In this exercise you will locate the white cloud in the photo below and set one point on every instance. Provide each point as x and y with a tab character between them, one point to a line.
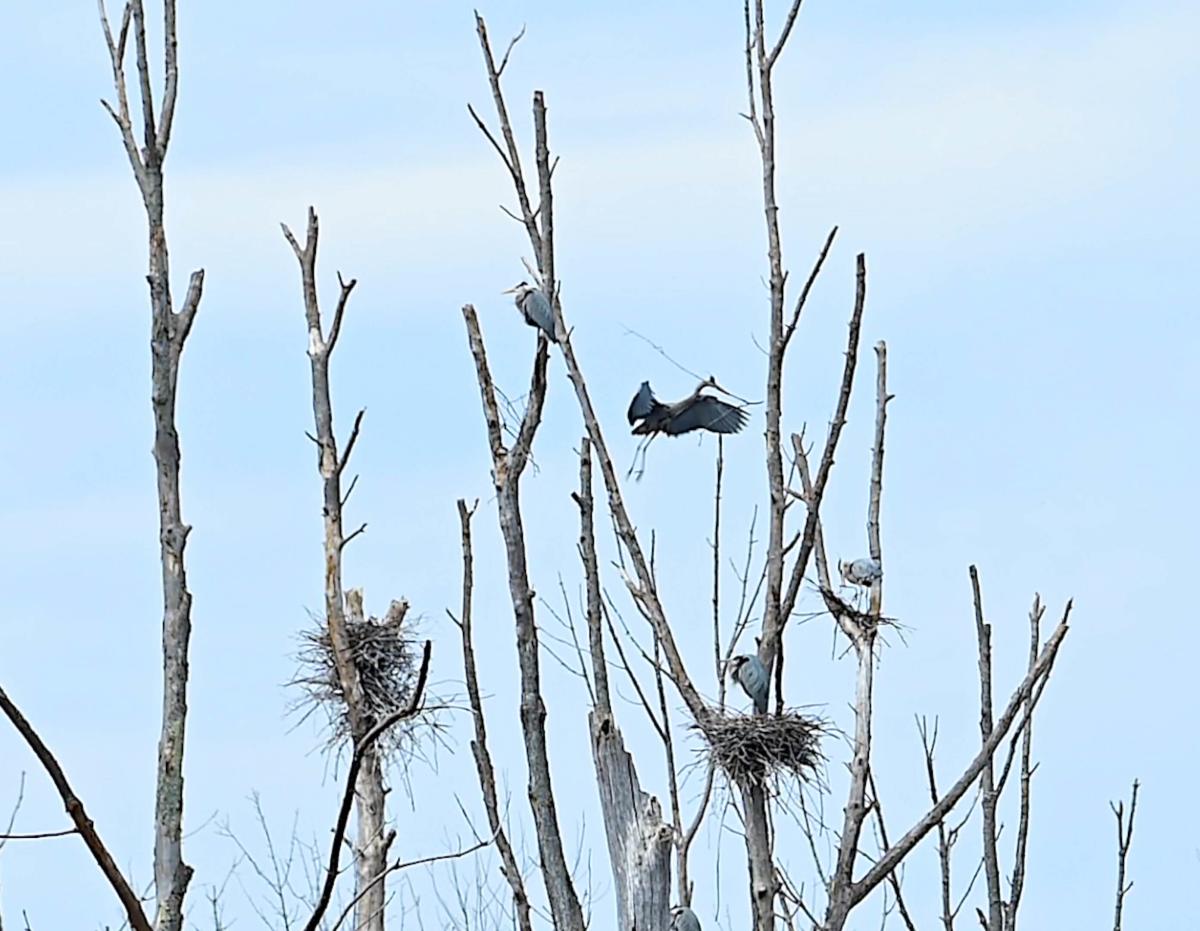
926	142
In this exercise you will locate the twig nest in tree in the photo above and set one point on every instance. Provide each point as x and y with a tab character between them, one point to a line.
386	654
755	749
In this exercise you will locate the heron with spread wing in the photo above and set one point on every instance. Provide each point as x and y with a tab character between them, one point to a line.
698	411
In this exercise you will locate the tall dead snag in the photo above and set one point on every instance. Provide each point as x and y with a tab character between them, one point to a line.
373	838
760	64
479	745
639	841
169	332
508	466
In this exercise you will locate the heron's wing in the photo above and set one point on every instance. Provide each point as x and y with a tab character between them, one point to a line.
707	413
642	403
537	313
867	569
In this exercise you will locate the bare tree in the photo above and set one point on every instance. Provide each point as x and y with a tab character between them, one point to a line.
845	888
169	332
373	836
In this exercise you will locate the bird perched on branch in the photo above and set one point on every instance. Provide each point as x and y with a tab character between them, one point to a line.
684	919
751	675
649	416
534	307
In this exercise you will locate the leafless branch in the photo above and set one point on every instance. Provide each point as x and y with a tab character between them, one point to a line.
406	864
813	500
945	843
362	748
510	155
1017	884
43	835
479	746
591	572
335	331
1124	841
991	866
900	849
83	824
893	879
812	278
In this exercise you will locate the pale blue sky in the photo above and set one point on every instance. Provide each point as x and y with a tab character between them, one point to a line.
1021	177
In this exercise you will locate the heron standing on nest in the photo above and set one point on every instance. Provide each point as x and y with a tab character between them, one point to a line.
751	675
864	572
534	307
649	416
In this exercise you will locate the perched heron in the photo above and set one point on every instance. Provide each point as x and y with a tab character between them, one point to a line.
751	675
684	919
864	572
649	416
534	307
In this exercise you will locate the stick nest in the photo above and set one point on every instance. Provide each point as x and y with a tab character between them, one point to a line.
387	655
757	749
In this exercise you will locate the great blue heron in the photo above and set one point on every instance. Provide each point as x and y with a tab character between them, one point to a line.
751	675
649	416
684	919
864	572
534	307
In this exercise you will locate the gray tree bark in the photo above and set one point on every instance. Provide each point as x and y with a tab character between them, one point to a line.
372	839
639	841
168	333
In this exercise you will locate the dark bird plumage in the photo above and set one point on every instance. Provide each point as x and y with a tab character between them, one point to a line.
695	412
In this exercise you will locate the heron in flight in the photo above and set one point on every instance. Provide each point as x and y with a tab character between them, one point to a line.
684	919
649	416
751	675
534	307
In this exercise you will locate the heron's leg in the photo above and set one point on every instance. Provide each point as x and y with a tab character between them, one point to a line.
645	449
637	450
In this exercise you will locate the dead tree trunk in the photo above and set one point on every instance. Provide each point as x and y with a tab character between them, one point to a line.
371	842
169	331
639	841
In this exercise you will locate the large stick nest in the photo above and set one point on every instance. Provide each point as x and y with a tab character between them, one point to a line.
386	654
758	749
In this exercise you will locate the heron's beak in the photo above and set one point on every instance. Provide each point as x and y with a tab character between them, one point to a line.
509	291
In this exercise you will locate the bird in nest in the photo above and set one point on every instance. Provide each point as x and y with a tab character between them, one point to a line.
863	573
751	675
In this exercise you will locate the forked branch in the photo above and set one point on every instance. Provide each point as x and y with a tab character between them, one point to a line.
1124	842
